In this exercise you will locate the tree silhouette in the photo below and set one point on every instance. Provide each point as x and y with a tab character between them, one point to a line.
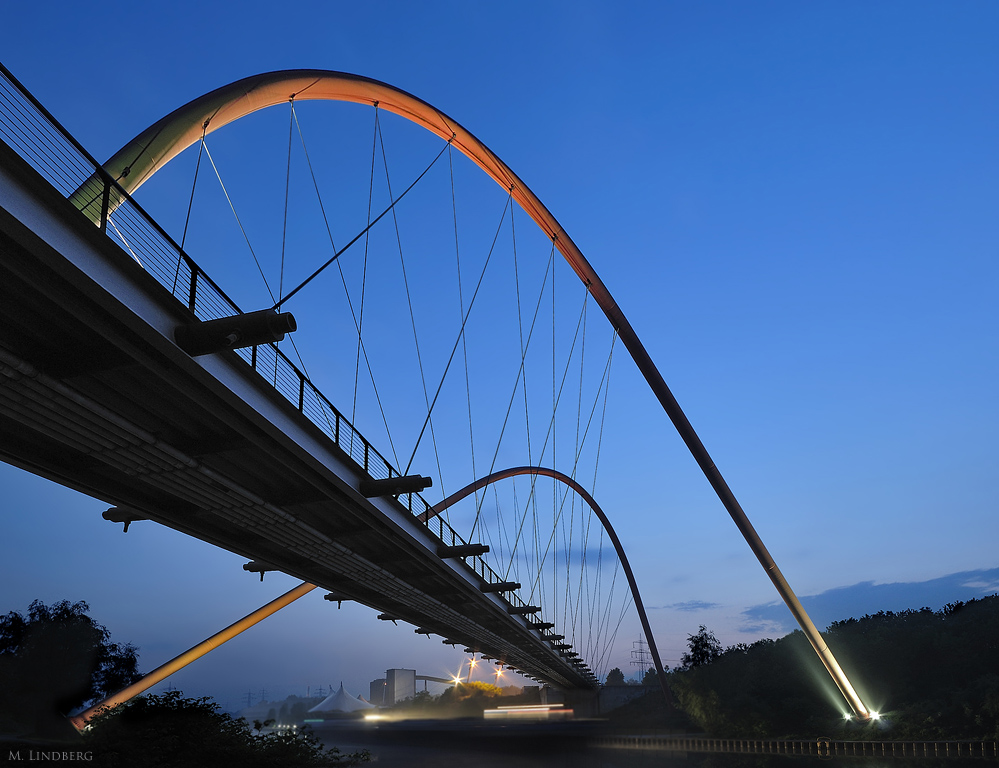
615	677
704	648
651	677
173	730
938	672
55	660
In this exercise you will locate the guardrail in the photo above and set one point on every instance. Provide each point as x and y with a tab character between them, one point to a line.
41	141
819	747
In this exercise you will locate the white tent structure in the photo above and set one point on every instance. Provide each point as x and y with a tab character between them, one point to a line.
341	701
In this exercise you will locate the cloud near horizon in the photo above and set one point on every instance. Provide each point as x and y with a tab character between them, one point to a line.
866	597
690	606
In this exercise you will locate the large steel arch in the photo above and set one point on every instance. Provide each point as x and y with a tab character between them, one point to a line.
138	160
504	474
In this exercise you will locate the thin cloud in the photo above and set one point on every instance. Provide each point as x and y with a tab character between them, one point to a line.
762	629
866	597
693	605
985	587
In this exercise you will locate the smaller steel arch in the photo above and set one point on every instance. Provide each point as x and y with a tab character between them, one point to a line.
503	474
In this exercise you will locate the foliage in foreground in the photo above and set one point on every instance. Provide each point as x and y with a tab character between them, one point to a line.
935	672
56	659
171	730
462	700
648	715
649	677
473	691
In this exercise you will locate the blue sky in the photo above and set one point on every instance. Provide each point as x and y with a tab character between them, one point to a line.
793	203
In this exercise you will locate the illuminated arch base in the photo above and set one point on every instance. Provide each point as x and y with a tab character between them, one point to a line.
138	160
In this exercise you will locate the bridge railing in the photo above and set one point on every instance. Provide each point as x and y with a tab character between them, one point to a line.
34	134
822	747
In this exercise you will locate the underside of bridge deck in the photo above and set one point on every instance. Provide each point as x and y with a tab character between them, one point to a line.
95	395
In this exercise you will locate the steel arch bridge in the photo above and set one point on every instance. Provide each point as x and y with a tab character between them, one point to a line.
432	597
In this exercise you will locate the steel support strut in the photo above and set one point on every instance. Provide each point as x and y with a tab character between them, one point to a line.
731	504
179	662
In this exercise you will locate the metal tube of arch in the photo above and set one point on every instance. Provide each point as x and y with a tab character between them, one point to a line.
503	474
150	150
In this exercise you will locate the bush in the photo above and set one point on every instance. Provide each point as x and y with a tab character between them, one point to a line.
55	660
469	699
171	730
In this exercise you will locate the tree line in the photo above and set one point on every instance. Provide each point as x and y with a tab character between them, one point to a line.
57	659
930	674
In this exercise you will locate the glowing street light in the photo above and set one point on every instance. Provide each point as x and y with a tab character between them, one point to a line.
471	667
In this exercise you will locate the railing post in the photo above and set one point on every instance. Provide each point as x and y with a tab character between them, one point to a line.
366	455
253	357
192	295
301	393
105	202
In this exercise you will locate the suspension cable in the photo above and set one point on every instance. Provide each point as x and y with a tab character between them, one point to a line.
190	204
567	543
532	499
461	313
624	610
559	516
516	383
287	191
409	301
605	378
284	226
461	332
556	517
610	636
554	434
346	291
572	508
364	275
603	413
359	235
551	425
596	464
253	253
240	223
